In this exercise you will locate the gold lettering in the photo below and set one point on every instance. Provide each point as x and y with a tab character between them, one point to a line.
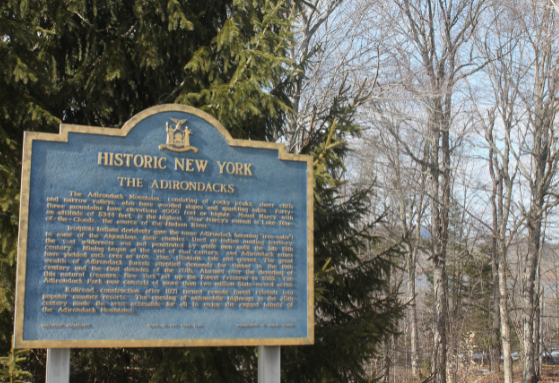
104	157
189	165
201	165
221	165
128	156
247	169
131	182
136	157
118	159
179	163
147	161
230	169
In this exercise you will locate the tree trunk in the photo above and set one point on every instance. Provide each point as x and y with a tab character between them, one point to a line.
494	347
544	168
413	310
540	339
387	365
439	351
439	236
504	202
537	330
534	231
412	268
505	325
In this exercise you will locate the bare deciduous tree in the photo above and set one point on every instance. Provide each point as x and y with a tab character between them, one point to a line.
430	50
538	152
331	59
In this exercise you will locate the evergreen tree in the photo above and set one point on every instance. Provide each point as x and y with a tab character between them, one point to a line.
356	307
99	62
22	76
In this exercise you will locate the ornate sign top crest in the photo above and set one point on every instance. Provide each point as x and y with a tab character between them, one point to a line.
178	140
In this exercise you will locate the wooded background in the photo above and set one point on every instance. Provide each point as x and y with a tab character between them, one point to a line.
432	125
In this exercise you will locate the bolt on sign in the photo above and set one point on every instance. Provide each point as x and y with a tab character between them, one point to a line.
166	232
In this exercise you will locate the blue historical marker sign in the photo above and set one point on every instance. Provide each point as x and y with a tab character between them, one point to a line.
166	232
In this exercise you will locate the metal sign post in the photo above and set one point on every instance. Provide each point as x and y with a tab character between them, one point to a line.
58	365
269	365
